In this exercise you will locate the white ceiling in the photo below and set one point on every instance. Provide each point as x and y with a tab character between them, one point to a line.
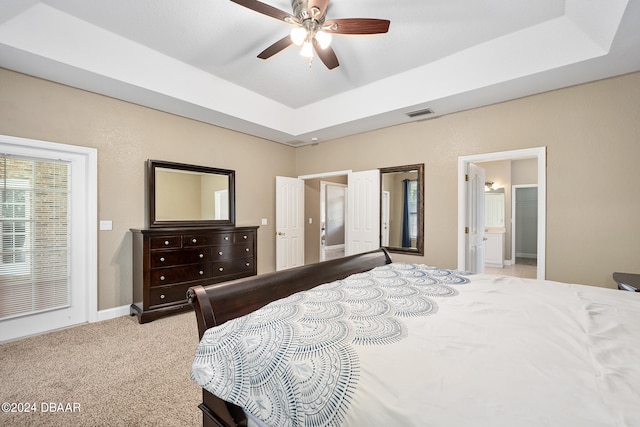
197	58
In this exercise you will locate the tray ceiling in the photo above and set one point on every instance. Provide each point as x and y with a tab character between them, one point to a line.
197	58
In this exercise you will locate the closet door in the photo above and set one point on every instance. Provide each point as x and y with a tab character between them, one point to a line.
363	212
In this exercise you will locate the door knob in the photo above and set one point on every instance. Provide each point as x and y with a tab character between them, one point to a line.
280	233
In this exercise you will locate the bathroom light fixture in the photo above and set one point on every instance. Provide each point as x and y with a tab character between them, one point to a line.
490	185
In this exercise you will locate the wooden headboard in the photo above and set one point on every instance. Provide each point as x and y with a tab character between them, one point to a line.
217	303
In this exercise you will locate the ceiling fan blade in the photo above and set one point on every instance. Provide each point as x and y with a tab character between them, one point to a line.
265	9
281	44
321	5
357	26
326	55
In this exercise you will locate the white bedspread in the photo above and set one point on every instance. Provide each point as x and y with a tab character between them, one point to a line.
497	351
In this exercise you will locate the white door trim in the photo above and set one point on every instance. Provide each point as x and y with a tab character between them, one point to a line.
540	153
88	271
325	174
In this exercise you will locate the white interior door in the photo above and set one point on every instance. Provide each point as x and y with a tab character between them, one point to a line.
363	212
475	238
289	222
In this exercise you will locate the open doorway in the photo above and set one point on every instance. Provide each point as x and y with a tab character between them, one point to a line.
298	224
464	162
333	216
524	225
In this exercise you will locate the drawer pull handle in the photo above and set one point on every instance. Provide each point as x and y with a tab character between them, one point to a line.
226	237
248	264
161	277
162	296
194	240
201	272
161	259
219	252
201	255
221	269
166	242
246	249
244	237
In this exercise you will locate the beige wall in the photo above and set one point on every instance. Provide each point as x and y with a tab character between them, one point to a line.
125	136
592	135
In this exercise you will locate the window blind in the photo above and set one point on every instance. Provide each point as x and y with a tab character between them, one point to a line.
34	236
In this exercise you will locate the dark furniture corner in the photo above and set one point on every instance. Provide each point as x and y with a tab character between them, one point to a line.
627	281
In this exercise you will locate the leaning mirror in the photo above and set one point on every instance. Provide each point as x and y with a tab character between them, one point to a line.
402	209
189	195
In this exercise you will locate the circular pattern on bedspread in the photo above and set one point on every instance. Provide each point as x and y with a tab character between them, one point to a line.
294	362
413	306
316	337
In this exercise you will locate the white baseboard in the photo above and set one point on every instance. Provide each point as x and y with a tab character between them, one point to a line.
526	255
112	313
334	247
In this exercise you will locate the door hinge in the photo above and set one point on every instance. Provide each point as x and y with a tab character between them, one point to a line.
466	230
466	177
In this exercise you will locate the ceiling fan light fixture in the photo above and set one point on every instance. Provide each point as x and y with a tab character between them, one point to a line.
298	36
324	39
307	50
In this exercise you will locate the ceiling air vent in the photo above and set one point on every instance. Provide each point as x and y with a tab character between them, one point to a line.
419	113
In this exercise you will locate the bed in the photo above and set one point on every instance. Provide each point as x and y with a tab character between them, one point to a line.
364	341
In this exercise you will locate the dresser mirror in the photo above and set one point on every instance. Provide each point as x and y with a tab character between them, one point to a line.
402	209
189	195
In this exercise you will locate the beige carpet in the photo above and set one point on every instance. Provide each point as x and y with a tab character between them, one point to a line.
119	372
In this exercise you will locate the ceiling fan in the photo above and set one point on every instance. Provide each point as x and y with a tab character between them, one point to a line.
311	29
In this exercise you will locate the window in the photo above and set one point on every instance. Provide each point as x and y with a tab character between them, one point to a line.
413	208
34	236
15	232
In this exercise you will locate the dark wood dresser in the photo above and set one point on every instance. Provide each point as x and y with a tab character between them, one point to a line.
167	261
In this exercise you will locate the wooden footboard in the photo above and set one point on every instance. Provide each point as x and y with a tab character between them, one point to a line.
220	302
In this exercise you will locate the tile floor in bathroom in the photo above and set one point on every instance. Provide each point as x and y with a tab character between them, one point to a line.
524	267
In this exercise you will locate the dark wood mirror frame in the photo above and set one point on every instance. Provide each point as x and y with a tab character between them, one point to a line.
419	250
154	222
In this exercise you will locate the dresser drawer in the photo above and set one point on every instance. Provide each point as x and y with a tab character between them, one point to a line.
165	242
223	268
191	240
186	256
184	273
216	239
168	295
240	237
221	253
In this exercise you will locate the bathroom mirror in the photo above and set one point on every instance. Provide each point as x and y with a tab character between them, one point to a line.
189	195
402	209
494	208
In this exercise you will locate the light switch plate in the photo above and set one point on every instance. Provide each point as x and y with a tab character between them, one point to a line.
106	225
